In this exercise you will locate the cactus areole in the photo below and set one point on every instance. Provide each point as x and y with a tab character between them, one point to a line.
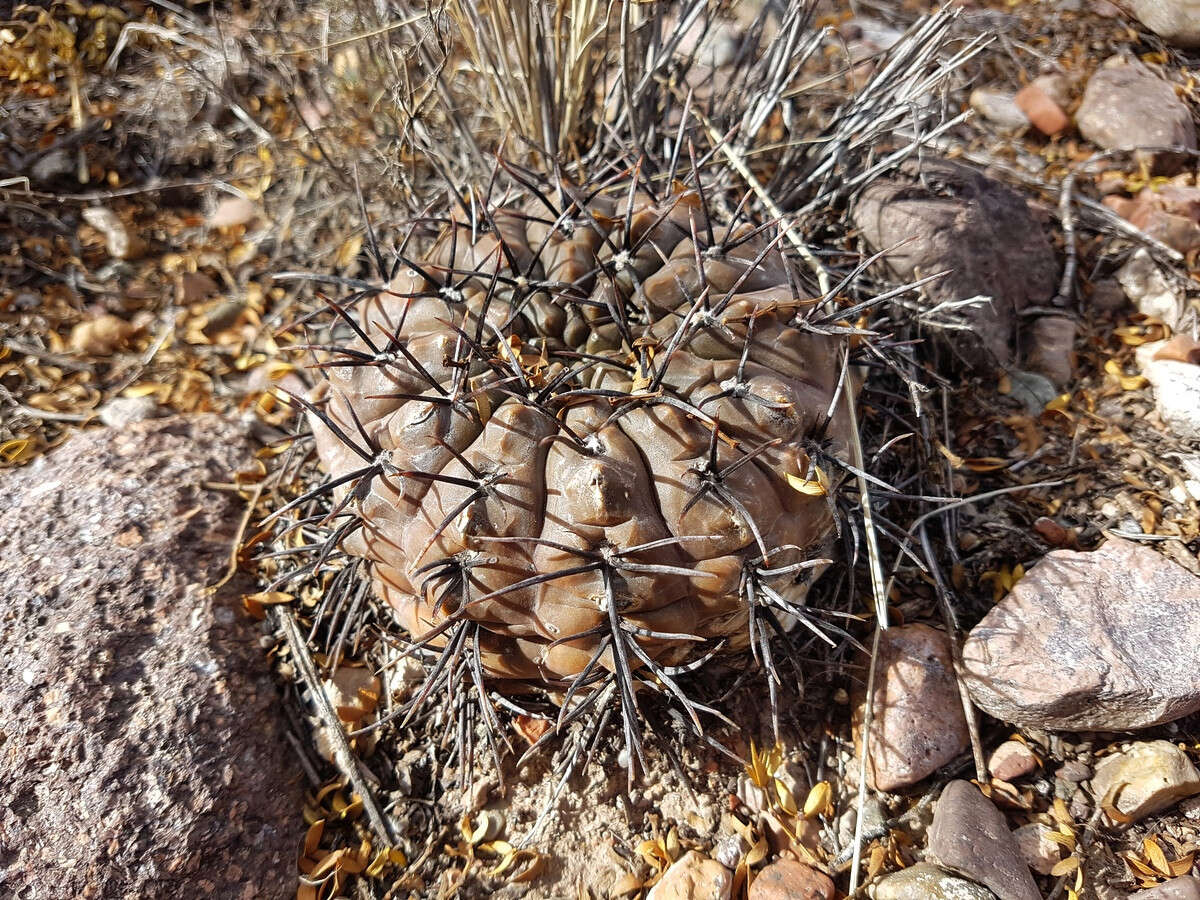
595	429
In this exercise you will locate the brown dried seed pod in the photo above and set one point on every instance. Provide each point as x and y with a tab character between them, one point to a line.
586	419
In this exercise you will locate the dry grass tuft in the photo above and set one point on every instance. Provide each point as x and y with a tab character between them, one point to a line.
541	64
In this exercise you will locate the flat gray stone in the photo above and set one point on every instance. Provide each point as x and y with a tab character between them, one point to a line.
970	836
1126	106
1107	640
1185	888
925	881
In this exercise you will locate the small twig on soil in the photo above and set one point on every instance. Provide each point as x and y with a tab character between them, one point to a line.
859	836
879	594
57	359
152	351
310	773
950	619
976	498
343	756
51	416
1066	287
247	514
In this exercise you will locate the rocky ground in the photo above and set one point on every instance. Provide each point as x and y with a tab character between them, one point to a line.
1030	726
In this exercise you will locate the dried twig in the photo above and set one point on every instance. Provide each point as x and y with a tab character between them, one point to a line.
343	755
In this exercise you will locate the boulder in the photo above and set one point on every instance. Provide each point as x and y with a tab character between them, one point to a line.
143	753
940	215
1107	640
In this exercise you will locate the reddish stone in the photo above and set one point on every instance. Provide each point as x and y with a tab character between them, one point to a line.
1012	760
1099	641
1050	348
787	879
917	722
1046	115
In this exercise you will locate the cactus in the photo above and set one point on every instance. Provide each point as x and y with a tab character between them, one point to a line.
593	434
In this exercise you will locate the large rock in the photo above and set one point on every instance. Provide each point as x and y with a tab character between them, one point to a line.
787	879
970	836
1101	641
1126	106
1176	21
142	753
917	721
941	215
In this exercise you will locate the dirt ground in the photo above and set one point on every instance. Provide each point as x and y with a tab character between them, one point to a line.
163	166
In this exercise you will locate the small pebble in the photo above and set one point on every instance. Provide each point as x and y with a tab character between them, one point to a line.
693	877
1039	851
787	879
231	211
728	850
1074	771
1012	760
122	411
1080	805
1046	115
998	107
1145	778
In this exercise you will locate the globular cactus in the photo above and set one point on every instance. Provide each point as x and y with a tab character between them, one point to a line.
593	428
